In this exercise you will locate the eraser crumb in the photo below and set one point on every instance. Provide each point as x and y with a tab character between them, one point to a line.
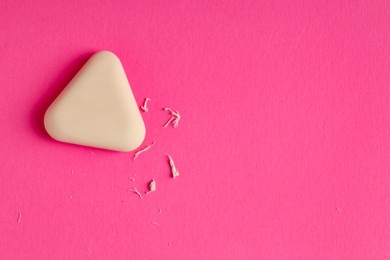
152	186
136	192
175	117
144	106
19	217
132	177
174	171
143	150
155	223
159	210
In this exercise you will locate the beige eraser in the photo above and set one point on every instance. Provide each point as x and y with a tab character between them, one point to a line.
97	108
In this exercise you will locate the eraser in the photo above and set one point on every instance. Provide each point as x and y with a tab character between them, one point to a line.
97	108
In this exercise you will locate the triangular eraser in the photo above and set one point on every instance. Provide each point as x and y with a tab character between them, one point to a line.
97	108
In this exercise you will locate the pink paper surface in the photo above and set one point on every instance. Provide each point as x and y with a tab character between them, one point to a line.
283	148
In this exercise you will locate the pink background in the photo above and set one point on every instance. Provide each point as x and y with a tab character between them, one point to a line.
283	146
